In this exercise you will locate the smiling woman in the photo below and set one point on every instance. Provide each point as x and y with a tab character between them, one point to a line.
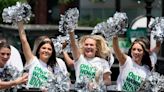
5	53
90	64
134	67
42	60
6	76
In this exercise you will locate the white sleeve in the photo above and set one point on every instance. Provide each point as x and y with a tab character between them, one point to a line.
15	59
153	58
106	67
32	63
62	65
127	63
111	61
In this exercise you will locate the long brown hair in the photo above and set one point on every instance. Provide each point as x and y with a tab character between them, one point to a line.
146	58
52	60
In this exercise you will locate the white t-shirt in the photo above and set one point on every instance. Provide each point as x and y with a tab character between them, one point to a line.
153	58
131	76
90	68
111	61
39	72
15	59
62	65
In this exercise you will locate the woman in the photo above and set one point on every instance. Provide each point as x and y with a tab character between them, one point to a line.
6	78
60	62
15	57
89	58
134	67
42	66
70	62
153	52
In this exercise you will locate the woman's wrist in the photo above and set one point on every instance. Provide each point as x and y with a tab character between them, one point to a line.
13	82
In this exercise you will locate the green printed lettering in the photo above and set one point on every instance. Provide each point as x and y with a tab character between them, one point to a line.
86	70
132	82
35	82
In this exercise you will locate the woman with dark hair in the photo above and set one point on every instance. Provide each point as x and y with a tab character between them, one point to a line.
15	57
52	59
145	58
6	77
134	67
43	64
38	43
152	51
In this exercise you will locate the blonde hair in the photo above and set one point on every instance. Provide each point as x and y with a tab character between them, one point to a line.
103	50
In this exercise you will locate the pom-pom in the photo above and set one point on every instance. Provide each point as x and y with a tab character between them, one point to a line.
157	28
69	21
153	83
114	25
59	41
19	12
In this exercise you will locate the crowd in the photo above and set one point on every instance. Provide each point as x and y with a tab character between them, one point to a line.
90	57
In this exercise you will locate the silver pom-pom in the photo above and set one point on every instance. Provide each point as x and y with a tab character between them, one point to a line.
69	21
18	12
58	82
121	19
100	28
59	41
153	83
114	25
157	28
10	73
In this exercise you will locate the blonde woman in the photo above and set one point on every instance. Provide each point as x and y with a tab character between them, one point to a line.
89	58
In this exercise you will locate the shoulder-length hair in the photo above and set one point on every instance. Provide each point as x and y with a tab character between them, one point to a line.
52	60
103	50
146	58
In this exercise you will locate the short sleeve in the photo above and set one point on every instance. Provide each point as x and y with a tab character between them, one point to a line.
106	67
62	65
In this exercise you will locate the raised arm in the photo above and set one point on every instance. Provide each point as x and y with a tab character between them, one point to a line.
75	50
157	47
118	53
25	45
68	59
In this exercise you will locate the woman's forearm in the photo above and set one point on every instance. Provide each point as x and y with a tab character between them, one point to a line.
75	50
25	45
8	84
118	53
